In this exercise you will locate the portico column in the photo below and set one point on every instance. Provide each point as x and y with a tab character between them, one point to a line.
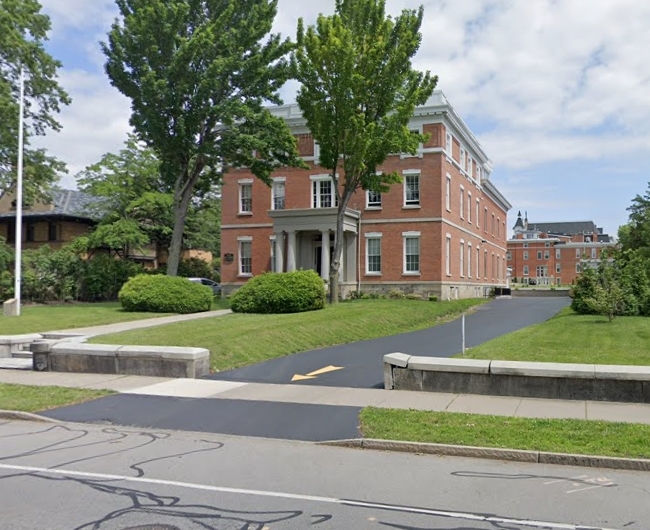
291	250
279	252
325	255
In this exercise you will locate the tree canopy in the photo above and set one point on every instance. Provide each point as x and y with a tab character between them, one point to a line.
198	73
358	92
23	31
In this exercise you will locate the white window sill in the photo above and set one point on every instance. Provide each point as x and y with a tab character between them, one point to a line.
411	273
372	274
247	275
245	213
411	207
370	208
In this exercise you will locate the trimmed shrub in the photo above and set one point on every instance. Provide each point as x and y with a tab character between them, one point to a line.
413	296
289	292
433	298
164	294
103	277
395	294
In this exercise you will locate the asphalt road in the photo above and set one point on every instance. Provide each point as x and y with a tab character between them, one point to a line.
361	362
265	419
105	478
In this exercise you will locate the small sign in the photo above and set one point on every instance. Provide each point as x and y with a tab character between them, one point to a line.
228	257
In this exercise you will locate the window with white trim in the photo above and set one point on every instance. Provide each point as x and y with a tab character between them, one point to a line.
373	254
508	255
412	253
558	253
469	260
547	244
479	173
492	225
485	220
578	254
462	259
498	267
485	264
478	209
558	268
492	266
469	206
525	255
412	189
498	228
323	193
478	263
278	192
542	271
373	199
245	257
462	158
449	143
448	194
578	268
462	202
246	197
448	255
469	166
539	254
593	253
547	254
526	245
525	270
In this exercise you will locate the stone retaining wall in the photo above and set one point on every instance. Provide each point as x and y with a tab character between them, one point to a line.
523	379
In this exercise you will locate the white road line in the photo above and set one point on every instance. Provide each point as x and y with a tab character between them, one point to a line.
295	496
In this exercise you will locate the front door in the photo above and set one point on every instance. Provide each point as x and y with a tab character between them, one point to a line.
318	258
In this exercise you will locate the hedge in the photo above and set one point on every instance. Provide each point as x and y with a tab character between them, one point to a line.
289	292
164	294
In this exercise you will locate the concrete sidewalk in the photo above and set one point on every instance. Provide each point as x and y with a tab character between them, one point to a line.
333	396
93	331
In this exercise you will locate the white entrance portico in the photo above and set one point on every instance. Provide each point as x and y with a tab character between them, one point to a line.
304	239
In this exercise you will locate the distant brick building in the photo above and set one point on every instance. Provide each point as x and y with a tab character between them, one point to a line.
554	253
441	231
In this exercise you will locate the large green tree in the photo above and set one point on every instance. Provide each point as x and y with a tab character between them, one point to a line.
358	94
23	31
636	234
198	73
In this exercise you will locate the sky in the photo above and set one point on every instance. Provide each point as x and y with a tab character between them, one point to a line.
557	92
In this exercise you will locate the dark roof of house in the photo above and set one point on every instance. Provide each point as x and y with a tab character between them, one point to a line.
564	228
67	203
519	223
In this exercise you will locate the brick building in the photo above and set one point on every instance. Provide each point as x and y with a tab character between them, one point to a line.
443	230
554	253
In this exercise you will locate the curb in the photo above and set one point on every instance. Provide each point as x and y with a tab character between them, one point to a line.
513	455
25	416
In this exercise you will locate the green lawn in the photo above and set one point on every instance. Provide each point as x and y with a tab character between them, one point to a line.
572	338
50	317
37	398
240	340
585	437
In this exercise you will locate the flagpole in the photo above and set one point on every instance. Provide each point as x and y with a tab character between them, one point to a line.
19	197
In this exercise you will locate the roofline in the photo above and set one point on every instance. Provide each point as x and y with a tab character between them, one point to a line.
495	194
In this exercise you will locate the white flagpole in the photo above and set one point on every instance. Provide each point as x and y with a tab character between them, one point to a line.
19	196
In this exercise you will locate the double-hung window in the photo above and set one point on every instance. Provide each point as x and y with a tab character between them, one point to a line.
373	253
323	194
448	194
278	191
448	255
412	189
462	158
462	202
469	260
469	166
245	256
246	196
373	199
462	258
411	252
448	144
469	207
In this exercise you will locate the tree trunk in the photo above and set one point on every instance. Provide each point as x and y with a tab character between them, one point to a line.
338	248
182	196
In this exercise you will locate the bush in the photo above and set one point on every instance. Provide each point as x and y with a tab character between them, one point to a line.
289	292
395	294
164	294
413	296
433	298
103	277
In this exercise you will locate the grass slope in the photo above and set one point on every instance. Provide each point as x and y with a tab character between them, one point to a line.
240	340
572	338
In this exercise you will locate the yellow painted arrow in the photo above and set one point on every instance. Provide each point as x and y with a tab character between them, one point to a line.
312	375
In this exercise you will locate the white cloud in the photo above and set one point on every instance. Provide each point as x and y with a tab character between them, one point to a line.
553	80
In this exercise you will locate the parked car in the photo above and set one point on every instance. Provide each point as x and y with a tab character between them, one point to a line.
216	288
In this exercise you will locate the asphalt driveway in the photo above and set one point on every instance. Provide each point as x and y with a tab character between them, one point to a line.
359	364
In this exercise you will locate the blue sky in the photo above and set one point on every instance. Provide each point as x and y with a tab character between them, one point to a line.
557	92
